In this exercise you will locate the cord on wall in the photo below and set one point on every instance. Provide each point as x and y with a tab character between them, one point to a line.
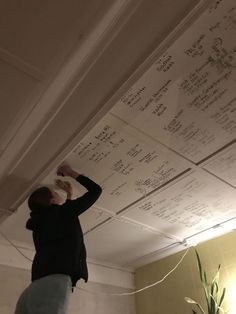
112	294
12	244
146	287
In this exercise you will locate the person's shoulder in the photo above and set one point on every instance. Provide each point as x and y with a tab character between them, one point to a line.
53	210
62	209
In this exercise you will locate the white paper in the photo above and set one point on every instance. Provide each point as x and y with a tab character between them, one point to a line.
197	202
223	165
187	98
126	163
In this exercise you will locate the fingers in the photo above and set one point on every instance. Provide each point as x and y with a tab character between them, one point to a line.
60	172
64	170
67	185
58	183
62	183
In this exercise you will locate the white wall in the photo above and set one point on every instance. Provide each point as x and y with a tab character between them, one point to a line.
13	281
100	302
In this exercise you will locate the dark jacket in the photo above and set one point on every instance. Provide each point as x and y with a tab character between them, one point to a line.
58	237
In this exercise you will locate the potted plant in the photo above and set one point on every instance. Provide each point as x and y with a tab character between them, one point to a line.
214	298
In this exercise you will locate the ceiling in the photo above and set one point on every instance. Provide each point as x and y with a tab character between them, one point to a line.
137	95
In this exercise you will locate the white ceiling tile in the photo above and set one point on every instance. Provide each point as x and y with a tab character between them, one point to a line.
14	227
126	163
92	217
11	257
223	165
121	243
196	202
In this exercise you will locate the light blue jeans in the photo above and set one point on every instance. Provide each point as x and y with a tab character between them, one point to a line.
47	295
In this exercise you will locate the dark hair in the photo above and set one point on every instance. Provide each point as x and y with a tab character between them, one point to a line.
40	198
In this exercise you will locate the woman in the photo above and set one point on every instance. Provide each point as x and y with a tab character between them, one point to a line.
60	259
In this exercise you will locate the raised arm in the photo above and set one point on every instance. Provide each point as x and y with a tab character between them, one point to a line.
66	187
79	205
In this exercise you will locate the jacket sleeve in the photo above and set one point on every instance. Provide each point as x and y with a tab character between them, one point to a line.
81	204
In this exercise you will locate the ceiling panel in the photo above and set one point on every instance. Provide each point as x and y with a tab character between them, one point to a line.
223	165
121	243
44	32
186	100
126	163
195	203
14	227
16	88
93	218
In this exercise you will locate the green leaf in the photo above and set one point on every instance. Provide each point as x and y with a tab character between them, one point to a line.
211	291
217	276
189	300
213	305
222	297
199	266
220	310
200	308
205	278
214	290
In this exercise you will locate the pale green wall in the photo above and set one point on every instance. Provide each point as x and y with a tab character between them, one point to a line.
168	297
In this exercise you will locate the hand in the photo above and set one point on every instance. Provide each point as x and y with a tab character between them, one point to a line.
65	186
66	170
